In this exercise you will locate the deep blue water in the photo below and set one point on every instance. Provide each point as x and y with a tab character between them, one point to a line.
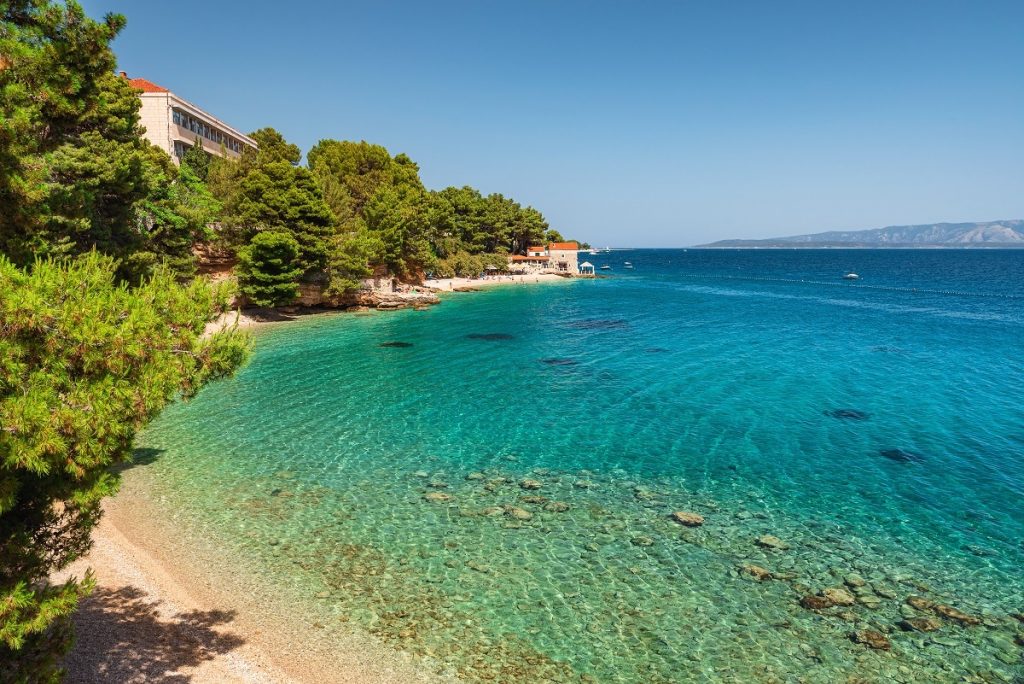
876	426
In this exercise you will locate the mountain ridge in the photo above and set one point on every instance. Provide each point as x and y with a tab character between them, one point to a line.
978	235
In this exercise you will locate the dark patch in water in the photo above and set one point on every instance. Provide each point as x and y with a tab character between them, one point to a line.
598	324
901	456
490	336
887	350
848	414
559	362
656	350
400	345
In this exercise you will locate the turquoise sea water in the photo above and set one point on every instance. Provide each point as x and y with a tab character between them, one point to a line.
876	428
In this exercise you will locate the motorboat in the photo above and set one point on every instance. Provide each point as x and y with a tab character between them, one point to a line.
851	276
628	265
606	267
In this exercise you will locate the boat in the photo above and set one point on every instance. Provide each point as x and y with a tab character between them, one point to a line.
628	265
593	251
606	267
851	276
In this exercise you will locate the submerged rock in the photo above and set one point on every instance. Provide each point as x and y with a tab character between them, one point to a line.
919	602
492	337
839	596
476	476
854	581
770	541
952	613
530	484
919	624
688	519
642	540
437	497
556	506
757	572
517	513
397	345
901	456
492	510
871	639
811	602
848	414
533	499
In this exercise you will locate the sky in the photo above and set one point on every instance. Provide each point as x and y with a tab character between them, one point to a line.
653	124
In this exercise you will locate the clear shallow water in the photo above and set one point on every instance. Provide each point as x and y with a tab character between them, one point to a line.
700	381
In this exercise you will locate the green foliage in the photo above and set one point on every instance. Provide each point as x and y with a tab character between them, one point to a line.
173	217
268	269
197	160
351	257
277	196
352	173
465	265
272	148
57	67
75	175
84	363
463	219
397	215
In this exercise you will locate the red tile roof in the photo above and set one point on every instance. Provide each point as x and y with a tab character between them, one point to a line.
563	245
146	86
535	249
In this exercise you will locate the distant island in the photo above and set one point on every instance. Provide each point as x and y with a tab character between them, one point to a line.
987	235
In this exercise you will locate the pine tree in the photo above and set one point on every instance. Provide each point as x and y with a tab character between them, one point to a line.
268	269
84	363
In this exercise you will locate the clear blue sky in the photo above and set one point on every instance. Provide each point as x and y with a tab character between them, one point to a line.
632	123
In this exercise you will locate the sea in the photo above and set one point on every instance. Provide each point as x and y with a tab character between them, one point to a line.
489	484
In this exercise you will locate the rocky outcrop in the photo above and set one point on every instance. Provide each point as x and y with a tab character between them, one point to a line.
312	294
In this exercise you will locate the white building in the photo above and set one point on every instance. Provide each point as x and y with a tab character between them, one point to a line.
175	125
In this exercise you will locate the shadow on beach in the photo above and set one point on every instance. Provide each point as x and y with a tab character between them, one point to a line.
122	637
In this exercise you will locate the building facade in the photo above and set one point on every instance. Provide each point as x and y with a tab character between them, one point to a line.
175	125
564	257
560	257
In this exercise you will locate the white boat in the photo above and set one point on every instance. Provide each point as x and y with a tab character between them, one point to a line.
593	251
628	265
606	267
851	276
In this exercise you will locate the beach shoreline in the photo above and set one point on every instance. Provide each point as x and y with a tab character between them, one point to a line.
252	318
472	284
169	604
